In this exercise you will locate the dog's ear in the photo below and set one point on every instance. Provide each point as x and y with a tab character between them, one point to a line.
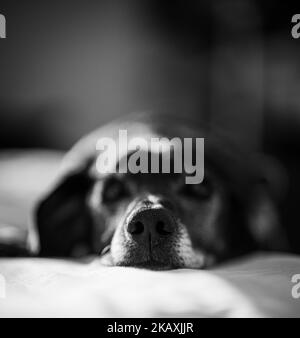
62	219
262	209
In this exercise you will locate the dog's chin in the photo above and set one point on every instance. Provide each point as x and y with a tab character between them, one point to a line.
150	264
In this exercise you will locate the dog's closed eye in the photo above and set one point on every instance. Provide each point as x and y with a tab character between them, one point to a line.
114	190
198	191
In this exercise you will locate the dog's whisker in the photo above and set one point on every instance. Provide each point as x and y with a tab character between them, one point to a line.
105	250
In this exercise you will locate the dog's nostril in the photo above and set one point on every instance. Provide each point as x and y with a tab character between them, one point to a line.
162	228
136	228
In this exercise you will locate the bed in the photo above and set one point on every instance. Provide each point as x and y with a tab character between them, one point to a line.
259	285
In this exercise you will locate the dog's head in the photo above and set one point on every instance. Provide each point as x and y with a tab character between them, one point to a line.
156	220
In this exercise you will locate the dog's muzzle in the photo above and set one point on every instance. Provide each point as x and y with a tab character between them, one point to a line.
149	236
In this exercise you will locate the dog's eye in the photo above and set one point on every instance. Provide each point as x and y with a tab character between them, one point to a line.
114	190
202	190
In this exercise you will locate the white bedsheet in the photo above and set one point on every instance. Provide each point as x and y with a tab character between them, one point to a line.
259	286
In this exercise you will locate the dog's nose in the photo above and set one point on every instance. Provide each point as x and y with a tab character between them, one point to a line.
153	223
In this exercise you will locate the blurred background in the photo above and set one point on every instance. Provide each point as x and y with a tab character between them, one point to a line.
67	67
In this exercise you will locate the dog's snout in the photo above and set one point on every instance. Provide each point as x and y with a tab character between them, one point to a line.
151	223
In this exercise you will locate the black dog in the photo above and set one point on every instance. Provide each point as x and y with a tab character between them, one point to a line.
157	220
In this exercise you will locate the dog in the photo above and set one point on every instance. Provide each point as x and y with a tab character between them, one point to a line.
156	220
